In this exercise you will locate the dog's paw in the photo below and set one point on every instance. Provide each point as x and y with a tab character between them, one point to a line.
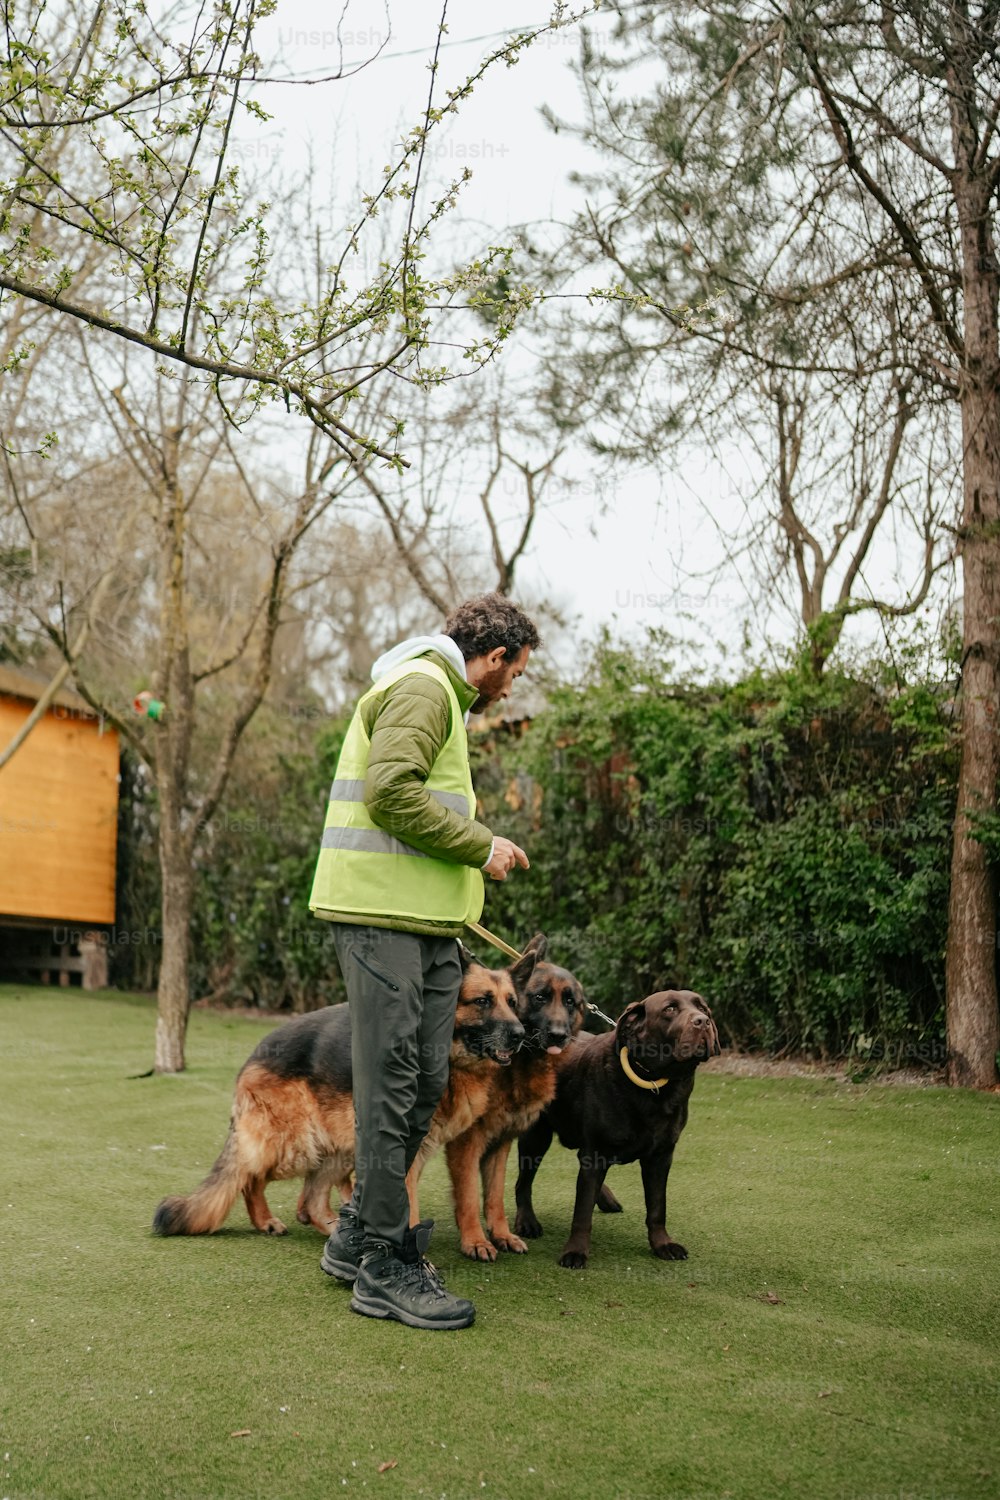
573	1260
275	1226
527	1225
670	1251
509	1242
607	1202
478	1250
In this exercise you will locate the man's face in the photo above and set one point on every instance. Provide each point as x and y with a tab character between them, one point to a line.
497	677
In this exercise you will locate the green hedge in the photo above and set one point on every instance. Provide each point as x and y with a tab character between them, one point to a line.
781	845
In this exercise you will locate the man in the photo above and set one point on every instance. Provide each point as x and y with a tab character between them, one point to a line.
400	873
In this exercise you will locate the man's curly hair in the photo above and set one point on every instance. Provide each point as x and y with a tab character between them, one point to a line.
480	625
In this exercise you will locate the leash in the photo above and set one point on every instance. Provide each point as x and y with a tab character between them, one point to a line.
498	942
495	942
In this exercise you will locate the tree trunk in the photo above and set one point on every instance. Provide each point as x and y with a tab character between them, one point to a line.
173	995
177	879
973	1019
174	684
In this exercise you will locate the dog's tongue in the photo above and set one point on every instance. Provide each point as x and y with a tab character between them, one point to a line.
554	1050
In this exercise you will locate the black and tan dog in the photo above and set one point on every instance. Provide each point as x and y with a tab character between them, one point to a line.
621	1097
293	1113
550	1004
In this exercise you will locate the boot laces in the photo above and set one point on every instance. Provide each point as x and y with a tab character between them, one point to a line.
348	1232
403	1273
430	1276
421	1273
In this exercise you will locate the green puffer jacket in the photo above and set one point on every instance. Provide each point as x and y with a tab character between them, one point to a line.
407	725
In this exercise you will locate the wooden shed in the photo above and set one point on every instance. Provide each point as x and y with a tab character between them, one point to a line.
58	836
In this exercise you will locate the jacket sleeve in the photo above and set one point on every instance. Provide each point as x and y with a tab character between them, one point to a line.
410	726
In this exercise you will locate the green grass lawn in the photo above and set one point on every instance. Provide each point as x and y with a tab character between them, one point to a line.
128	1363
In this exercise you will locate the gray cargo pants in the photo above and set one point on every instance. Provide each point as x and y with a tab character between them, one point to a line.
402	988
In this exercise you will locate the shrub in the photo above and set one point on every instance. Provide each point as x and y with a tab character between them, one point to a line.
780	844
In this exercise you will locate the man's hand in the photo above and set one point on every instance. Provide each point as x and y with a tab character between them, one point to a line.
505	856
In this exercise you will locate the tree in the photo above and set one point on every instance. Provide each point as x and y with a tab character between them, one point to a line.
732	325
116	128
199	627
153	463
483	449
805	203
172	605
115	134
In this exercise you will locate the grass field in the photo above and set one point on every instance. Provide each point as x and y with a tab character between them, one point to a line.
835	1332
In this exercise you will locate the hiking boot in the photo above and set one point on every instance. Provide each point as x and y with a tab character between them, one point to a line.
342	1251
396	1281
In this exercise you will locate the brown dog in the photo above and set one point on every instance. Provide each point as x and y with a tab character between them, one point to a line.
550	1005
293	1112
620	1097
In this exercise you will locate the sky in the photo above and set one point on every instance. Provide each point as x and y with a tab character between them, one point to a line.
646	548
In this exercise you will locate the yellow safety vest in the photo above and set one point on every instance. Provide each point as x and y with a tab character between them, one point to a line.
362	871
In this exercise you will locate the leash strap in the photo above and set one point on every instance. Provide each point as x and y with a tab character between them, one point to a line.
494	941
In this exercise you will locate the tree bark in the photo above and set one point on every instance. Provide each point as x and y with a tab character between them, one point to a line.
174	684
173	995
176	871
973	1018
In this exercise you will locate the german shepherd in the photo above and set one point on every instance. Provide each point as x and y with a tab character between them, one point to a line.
293	1112
619	1097
550	1004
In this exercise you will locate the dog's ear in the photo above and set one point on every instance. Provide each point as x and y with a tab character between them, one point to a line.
580	1012
537	945
522	969
468	959
631	1017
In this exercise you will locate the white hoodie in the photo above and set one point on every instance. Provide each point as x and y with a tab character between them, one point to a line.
416	646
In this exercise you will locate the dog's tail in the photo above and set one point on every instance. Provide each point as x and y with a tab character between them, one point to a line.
202	1211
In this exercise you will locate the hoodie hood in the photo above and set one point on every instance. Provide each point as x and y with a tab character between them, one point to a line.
417	645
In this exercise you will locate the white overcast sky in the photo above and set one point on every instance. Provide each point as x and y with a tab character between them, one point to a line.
650	557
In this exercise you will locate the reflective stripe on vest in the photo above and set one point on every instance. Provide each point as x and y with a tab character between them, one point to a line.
364	871
354	791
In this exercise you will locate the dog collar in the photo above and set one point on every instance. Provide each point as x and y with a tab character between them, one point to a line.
655	1084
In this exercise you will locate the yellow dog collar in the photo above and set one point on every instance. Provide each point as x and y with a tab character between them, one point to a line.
656	1084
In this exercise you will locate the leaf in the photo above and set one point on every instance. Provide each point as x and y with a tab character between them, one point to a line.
772	1298
241	1432
390	1463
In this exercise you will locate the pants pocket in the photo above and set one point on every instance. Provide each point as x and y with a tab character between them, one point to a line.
376	974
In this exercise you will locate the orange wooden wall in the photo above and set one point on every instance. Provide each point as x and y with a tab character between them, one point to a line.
58	817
